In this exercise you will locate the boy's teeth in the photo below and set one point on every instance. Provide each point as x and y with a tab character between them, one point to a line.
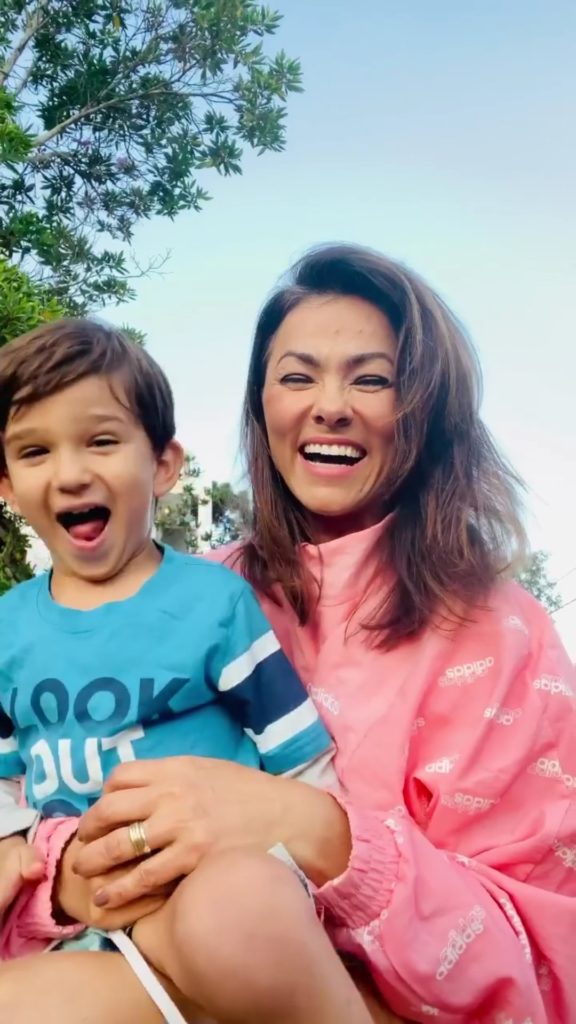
85	524
92	513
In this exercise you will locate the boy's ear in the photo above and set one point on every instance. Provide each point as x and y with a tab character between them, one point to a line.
168	468
6	492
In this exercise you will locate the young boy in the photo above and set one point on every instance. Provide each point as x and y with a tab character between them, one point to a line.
128	650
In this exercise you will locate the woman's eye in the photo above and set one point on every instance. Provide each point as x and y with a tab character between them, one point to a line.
296	378
373	380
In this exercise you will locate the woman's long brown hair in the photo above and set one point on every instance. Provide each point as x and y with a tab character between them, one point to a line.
457	526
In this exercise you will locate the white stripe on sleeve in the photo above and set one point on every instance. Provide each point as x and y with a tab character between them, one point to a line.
284	728
239	669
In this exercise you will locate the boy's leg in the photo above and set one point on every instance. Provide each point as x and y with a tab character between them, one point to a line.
93	988
69	988
372	998
240	936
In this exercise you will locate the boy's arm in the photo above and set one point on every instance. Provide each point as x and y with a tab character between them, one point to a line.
14	819
17	823
262	692
319	772
19	862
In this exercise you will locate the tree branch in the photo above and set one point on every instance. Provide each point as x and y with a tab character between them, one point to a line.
84	112
35	21
88	111
25	79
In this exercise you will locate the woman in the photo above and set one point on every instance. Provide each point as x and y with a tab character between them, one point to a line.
384	524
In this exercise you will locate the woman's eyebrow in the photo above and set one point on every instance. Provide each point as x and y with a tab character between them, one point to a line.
352	363
303	357
367	357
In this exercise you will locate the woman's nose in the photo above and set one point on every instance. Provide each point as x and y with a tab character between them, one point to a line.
332	408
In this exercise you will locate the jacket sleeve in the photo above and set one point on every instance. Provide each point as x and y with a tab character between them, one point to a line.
462	898
30	925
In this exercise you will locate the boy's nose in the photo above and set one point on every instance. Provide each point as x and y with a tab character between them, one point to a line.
71	474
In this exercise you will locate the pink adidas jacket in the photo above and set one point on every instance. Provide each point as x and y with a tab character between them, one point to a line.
457	756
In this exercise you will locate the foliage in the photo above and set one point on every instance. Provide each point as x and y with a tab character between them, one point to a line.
14	544
134	335
112	111
177	516
23	306
534	578
230	514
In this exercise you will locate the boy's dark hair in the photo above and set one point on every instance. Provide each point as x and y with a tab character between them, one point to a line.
58	354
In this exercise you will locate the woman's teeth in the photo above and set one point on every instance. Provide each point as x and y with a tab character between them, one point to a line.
332	453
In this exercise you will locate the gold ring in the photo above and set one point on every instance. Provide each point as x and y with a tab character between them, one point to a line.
137	837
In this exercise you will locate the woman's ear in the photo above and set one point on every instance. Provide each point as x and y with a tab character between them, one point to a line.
168	468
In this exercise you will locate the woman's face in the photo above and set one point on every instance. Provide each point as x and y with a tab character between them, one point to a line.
329	404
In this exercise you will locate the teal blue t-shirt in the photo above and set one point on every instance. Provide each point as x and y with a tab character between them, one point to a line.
189	665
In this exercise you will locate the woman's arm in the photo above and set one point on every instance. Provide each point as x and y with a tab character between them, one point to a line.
470	914
318	832
193	806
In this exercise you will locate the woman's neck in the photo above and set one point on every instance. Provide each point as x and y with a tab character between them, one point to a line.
327	528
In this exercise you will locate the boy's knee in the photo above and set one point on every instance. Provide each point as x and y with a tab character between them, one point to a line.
233	896
236	924
238	886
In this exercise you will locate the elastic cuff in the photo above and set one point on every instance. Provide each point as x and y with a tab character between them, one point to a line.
363	892
52	839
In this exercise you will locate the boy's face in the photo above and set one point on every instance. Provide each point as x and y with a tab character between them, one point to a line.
82	472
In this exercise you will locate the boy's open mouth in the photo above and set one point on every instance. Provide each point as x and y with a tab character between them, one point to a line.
85	524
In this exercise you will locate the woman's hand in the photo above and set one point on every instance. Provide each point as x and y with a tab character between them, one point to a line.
74	896
191	806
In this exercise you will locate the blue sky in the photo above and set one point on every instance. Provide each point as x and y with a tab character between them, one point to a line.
440	133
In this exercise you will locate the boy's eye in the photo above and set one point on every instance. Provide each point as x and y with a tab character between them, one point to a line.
103	442
373	380
32	453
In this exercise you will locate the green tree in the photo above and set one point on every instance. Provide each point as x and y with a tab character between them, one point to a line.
114	111
14	546
230	513
23	306
534	578
176	519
